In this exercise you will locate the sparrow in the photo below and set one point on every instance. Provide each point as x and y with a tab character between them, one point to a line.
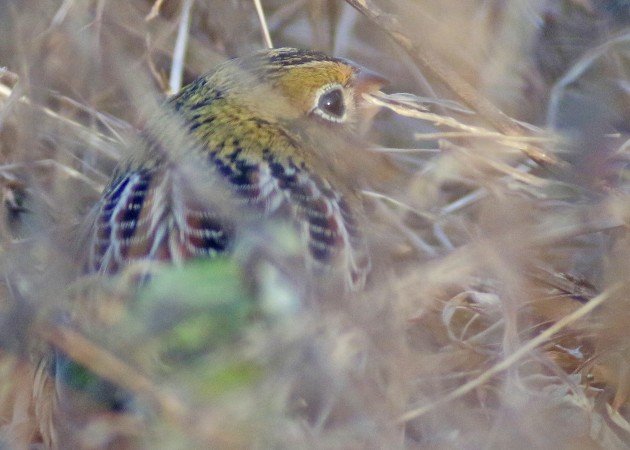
270	131
274	135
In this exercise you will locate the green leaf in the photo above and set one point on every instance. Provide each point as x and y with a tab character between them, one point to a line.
195	308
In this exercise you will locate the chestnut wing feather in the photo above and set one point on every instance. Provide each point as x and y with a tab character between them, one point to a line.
153	214
157	214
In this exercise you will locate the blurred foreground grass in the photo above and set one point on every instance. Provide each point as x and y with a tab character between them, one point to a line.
497	311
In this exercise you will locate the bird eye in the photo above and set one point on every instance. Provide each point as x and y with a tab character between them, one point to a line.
331	105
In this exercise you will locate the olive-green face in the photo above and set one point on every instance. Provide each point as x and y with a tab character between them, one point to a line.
323	89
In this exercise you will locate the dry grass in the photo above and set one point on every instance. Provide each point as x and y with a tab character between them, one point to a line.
497	312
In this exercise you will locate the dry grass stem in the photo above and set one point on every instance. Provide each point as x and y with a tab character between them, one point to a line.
263	24
428	61
515	357
490	182
181	44
155	10
417	111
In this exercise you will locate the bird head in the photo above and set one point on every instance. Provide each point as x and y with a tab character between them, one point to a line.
326	89
288	84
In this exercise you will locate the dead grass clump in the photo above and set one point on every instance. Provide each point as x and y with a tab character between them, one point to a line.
496	312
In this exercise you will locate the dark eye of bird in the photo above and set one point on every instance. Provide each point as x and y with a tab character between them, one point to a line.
331	103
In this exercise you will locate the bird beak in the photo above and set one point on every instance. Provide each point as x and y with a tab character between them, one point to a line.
367	81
